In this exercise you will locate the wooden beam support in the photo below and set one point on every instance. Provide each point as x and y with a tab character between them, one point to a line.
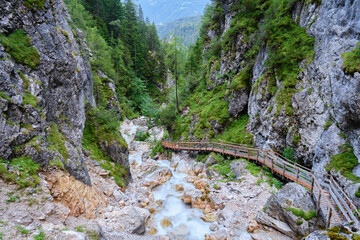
297	176
283	174
329	219
318	204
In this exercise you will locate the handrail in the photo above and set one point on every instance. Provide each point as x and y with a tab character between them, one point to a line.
329	204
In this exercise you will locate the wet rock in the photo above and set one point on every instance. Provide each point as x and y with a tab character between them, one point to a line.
179	188
158	177
191	195
209	161
210	217
165	223
180	233
317	235
200	184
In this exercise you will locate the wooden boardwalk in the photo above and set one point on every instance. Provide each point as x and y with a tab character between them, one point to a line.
331	201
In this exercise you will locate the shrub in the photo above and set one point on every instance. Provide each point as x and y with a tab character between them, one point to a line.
327	125
357	193
157	149
351	62
40	236
18	45
301	213
140	136
345	162
289	153
34	3
56	141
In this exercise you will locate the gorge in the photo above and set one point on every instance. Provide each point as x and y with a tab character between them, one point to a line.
88	92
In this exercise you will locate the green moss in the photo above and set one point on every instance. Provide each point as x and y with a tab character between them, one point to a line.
57	163
236	132
296	139
18	45
101	127
299	222
30	99
140	136
25	174
5	96
301	213
357	193
327	125
254	169
56	141
351	62
39	4
345	162
242	80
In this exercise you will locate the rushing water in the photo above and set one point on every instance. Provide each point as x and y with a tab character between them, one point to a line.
184	219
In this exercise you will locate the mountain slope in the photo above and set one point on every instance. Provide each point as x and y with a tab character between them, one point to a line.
187	29
164	11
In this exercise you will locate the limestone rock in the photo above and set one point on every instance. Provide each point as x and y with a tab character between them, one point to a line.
131	221
279	215
76	196
158	177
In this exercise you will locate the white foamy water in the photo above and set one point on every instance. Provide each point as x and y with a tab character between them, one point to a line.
181	215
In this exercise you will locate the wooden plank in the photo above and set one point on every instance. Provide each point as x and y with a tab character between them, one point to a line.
336	193
339	205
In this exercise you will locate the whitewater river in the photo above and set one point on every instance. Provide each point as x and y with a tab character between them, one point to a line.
185	221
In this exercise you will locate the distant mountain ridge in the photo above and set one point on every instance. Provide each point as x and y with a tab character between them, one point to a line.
165	11
187	29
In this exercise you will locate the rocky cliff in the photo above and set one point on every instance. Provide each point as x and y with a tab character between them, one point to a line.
288	75
45	81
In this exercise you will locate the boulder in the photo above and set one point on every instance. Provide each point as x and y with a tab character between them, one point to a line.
180	233
191	195
131	221
158	177
72	235
291	211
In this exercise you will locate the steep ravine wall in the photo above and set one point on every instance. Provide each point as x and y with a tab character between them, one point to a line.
324	93
42	101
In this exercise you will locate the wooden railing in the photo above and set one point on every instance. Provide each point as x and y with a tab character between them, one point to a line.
331	202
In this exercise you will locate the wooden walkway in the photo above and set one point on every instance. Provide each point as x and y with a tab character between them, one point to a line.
331	201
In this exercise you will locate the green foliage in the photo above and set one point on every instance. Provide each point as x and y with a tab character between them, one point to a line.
301	213
157	149
79	229
289	153
357	193
242	80
22	230
296	139
236	132
39	4
5	96
187	29
328	124
351	62
140	136
56	141
345	162
299	222
101	127
18	45
24	174
30	99
254	169
40	236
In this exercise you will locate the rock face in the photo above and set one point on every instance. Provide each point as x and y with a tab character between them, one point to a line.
42	112
59	84
290	211
325	92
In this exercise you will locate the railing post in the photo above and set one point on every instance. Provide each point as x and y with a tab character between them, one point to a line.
257	156
248	153
272	165
297	176
312	186
283	175
318	204
329	218
235	152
